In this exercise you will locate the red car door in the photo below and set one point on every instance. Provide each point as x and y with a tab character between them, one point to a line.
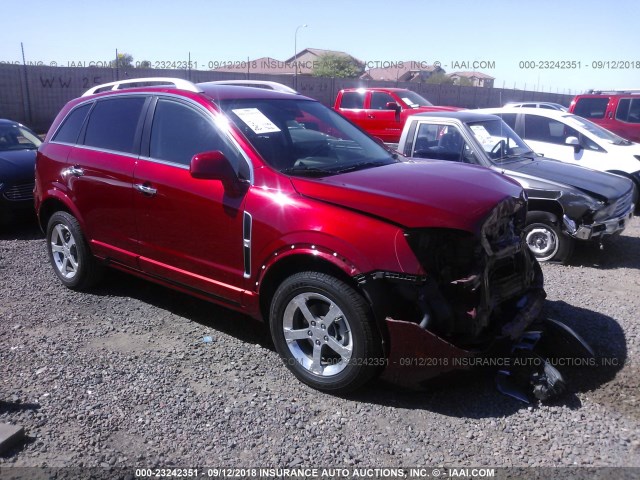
100	176
382	121
191	230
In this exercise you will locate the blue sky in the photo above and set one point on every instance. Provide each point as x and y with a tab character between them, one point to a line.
498	31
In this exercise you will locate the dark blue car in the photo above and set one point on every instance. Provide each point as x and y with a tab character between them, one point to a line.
18	146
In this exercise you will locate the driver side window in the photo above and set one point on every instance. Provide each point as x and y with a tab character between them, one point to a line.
379	100
179	132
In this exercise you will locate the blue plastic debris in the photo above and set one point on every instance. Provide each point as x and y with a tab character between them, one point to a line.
207	339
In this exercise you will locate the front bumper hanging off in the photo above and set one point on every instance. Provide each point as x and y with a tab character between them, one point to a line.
524	369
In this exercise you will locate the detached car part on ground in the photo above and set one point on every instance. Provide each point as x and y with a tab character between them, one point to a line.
273	205
566	202
18	147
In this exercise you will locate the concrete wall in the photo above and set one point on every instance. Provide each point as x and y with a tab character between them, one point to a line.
33	95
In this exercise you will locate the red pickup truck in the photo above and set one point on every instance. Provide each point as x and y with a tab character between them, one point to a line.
381	112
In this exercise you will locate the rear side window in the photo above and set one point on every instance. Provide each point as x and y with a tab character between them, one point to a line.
591	107
70	129
113	124
179	132
628	110
352	100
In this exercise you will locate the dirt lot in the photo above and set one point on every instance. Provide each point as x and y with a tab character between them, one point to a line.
122	377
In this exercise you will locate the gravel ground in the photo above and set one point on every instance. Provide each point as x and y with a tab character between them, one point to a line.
122	377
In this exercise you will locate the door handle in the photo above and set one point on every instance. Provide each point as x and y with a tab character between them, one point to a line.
146	189
75	171
371	116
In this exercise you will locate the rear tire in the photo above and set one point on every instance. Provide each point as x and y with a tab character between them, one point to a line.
324	331
69	253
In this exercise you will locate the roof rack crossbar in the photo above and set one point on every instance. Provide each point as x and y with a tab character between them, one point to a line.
180	83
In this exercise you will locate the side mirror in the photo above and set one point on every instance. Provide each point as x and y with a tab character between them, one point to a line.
212	166
395	107
575	142
392	106
216	166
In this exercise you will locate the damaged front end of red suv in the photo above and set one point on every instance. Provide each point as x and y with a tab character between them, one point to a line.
480	297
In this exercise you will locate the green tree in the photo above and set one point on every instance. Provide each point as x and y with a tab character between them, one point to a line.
439	78
125	60
464	82
337	66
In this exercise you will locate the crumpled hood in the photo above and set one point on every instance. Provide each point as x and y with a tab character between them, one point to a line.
416	194
600	185
17	165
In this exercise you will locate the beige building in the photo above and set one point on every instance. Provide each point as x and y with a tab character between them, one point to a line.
477	79
402	71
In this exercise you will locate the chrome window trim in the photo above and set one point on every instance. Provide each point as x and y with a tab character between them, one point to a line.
164	162
105	150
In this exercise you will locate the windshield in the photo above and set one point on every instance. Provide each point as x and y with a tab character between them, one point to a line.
498	140
414	100
303	137
596	130
17	137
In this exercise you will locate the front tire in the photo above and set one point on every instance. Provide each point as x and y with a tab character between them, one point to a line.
545	239
324	331
69	253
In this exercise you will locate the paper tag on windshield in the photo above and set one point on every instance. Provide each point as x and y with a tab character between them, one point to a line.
256	120
409	102
481	134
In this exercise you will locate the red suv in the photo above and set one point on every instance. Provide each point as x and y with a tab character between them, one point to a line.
617	111
272	204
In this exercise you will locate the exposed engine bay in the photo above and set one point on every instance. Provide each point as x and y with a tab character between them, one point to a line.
481	295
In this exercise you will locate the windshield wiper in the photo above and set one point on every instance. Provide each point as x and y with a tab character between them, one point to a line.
528	154
307	171
361	166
